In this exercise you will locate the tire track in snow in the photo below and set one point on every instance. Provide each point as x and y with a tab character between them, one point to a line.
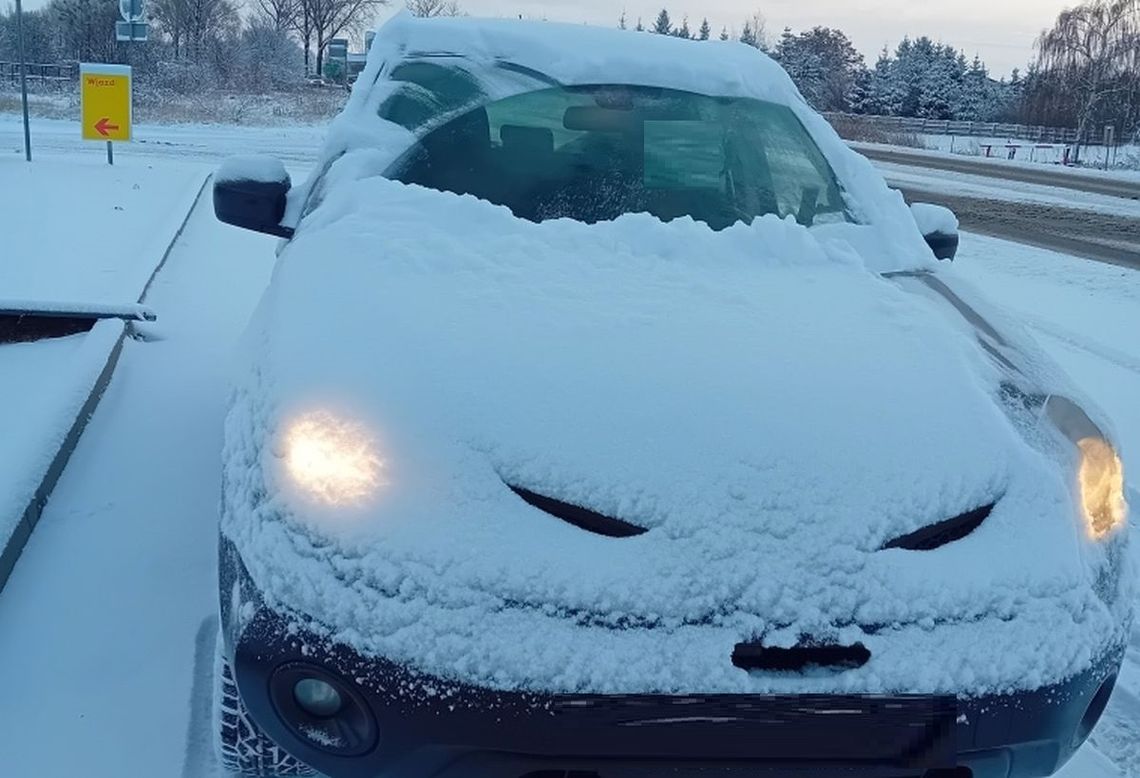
1117	736
199	759
1117	357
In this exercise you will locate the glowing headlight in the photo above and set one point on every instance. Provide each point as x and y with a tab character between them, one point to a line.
1102	487
333	460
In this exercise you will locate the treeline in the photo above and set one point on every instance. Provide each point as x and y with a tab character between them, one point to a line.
1085	73
197	45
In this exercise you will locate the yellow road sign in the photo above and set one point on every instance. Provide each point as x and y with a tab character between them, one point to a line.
105	97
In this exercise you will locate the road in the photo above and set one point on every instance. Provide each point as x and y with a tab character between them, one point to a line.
1100	236
1087	216
1041	175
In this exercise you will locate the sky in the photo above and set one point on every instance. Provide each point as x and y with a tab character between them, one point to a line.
1002	32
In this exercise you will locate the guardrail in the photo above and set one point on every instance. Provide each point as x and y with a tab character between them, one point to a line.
1031	133
39	73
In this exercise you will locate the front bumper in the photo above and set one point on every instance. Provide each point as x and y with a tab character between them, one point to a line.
420	726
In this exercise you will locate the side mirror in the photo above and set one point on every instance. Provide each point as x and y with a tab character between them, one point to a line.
250	192
939	226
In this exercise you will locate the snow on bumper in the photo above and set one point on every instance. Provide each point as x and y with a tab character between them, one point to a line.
510	646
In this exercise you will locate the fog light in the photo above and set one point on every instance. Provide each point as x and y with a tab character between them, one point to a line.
317	698
323	710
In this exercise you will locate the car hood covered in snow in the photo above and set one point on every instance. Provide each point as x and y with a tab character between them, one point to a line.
768	408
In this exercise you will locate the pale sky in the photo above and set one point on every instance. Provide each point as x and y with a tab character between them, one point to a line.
1001	31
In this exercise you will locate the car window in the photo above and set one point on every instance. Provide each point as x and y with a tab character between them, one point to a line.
595	153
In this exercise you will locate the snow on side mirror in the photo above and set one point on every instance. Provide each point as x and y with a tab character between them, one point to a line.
939	226
250	192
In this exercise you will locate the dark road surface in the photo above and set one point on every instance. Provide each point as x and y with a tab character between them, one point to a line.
1083	232
1046	176
1103	237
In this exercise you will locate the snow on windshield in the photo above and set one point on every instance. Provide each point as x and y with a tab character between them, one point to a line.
503	58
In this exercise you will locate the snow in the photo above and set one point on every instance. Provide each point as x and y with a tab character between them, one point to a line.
549	357
1082	172
945	182
45	384
252	167
509	57
1124	161
167	145
116	224
107	625
578	361
934	218
110	228
123	559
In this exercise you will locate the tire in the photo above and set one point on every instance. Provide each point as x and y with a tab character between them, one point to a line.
243	749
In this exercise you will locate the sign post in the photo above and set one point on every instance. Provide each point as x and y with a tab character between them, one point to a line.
23	80
105	100
132	29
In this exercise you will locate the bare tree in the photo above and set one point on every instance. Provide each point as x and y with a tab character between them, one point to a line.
281	15
303	26
438	8
194	24
759	26
1092	54
85	28
329	19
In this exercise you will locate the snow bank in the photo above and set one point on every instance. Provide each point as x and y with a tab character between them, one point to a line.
508	57
768	408
45	385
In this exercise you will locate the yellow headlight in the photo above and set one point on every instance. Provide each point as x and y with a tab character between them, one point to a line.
335	461
1102	488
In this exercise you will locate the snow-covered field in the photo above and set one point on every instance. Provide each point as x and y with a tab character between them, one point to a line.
1124	158
986	188
106	627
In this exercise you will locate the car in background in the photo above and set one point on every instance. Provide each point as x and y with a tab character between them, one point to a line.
607	416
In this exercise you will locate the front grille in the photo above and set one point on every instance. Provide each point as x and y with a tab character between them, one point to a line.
798	659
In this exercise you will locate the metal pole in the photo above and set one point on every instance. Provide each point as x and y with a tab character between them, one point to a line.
110	154
23	80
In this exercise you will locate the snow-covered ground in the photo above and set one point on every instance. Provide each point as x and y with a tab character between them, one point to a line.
106	627
948	182
1115	174
101	625
195	143
1123	158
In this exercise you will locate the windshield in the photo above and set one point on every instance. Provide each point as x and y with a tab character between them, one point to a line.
595	153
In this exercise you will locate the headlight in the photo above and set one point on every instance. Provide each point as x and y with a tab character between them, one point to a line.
1102	487
334	461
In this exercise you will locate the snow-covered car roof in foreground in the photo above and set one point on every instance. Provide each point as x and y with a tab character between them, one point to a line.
510	57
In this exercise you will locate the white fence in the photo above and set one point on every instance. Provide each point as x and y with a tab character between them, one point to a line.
1032	134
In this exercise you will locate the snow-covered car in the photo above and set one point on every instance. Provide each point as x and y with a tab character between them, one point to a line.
607	416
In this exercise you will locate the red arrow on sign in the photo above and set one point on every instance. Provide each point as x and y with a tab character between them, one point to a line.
103	125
